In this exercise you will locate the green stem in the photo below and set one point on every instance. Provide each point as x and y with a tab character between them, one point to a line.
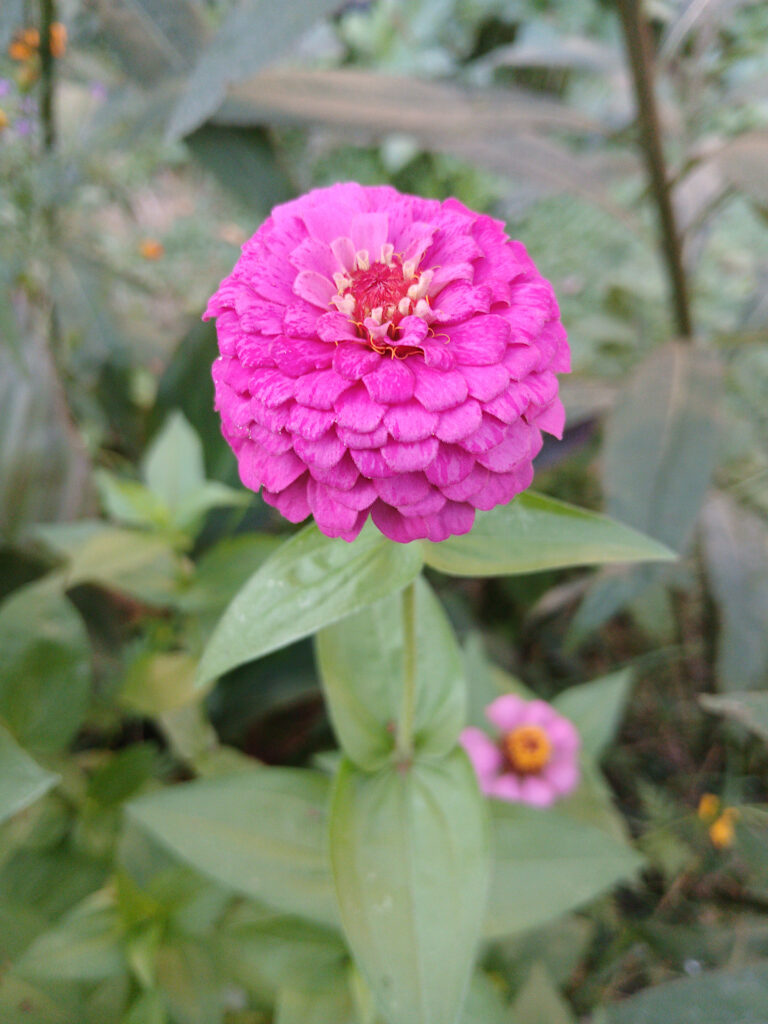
640	54
47	73
406	721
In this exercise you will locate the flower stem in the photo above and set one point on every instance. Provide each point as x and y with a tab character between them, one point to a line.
406	721
47	73
640	54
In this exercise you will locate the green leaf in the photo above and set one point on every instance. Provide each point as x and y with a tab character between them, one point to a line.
748	709
328	1006
21	1001
260	832
533	533
546	863
189	982
157	683
153	38
286	952
736	552
717	997
173	464
43	465
409	849
132	562
361	661
84	946
252	35
539	1001
149	1008
128	501
45	671
661	443
22	781
484	1004
125	772
596	708
310	582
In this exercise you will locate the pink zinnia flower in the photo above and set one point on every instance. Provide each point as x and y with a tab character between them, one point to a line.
388	355
535	758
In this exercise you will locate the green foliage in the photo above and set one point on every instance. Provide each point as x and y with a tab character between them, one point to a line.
22	781
535	533
409	850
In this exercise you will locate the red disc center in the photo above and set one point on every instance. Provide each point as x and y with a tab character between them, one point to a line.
381	286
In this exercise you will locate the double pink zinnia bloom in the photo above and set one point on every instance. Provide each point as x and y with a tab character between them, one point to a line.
534	759
388	355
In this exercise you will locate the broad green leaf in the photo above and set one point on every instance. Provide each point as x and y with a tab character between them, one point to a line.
260	832
149	1008
539	1001
327	1006
596	708
128	501
534	533
286	952
157	683
22	780
251	36
174	472
154	39
133	562
361	662
661	443
409	849
44	468
736	552
84	946
547	863
717	997
310	582
125	772
189	982
45	670
748	709
22	1001
484	1004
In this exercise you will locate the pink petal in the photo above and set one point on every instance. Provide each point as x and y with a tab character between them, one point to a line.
506	787
488	435
300	320
334	327
310	424
313	255
552	419
342	476
509	405
297	356
515	447
344	251
396	526
483	753
537	791
356	439
359	497
454	519
520	360
486	382
403	489
259	468
461	300
353	360
458	423
410	421
450	465
291	502
274	443
501	488
427	507
314	288
564	735
506	712
563	776
371	464
333	518
438	390
404	456
320	390
481	341
473	484
357	410
369	231
321	453
391	382
270	387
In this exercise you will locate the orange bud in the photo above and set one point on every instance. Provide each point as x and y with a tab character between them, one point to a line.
58	38
31	37
24	44
3	119
709	805
722	832
151	249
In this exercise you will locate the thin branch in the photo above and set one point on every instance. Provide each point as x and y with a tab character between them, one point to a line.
47	73
640	53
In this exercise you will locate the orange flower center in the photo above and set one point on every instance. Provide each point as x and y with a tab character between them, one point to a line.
527	749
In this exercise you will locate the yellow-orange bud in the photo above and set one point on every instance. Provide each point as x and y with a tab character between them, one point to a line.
722	831
709	805
151	249
58	38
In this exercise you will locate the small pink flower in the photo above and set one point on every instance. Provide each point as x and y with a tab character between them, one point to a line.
386	355
535	758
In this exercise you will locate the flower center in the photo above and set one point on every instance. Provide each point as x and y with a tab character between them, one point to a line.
377	295
527	749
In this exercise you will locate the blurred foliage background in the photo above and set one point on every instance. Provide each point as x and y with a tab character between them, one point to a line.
141	142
